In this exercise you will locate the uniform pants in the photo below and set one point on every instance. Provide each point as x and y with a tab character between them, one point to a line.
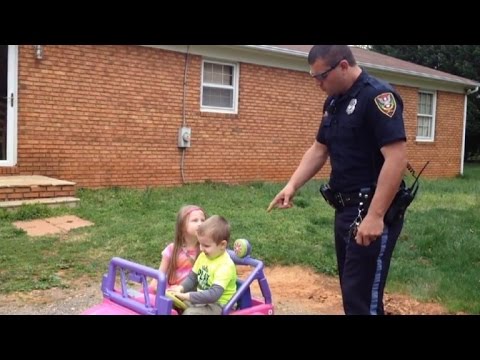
363	270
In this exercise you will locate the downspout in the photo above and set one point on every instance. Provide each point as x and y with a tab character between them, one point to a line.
468	92
184	117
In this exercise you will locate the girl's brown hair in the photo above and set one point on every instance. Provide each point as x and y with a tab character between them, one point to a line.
179	242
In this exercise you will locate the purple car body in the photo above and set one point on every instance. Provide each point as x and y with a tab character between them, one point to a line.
121	299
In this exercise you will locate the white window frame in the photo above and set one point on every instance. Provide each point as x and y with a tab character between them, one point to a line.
430	138
234	88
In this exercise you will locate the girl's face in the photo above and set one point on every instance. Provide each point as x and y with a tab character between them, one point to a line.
195	218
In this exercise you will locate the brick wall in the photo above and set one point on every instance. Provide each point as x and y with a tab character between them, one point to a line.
4	171
35	192
109	116
444	152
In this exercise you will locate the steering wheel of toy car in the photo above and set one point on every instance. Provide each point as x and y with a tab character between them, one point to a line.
177	303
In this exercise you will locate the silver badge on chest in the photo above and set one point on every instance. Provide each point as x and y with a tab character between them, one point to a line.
351	106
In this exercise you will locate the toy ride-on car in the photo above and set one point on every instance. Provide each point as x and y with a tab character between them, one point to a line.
121	295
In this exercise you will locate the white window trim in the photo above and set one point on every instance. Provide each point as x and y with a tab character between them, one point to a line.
236	76
433	115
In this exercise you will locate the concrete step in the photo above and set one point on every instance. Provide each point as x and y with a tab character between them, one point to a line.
31	180
30	187
56	201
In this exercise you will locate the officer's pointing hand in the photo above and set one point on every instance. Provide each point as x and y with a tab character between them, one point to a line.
281	201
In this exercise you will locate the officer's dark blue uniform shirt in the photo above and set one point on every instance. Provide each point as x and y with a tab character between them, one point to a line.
355	126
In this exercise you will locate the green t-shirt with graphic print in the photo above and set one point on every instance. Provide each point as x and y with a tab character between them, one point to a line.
219	271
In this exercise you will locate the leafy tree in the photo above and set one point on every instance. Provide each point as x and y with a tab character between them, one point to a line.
459	60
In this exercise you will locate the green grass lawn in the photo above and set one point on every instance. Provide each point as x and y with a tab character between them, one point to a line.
437	257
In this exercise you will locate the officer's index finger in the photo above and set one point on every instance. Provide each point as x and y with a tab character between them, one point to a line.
270	207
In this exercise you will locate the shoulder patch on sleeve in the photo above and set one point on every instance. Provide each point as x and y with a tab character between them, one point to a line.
386	103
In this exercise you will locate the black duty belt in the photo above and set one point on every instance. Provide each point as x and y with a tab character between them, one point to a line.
349	199
339	200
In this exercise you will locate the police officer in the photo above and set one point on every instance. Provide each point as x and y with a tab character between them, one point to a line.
363	133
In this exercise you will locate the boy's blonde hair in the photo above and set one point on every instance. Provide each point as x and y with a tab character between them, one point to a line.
215	227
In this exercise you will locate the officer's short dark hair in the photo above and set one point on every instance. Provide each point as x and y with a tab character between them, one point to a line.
331	54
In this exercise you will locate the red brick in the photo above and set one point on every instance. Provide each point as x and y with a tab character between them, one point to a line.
109	115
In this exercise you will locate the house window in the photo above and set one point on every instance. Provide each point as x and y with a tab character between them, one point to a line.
219	87
427	101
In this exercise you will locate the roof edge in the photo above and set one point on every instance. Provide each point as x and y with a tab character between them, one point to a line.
471	83
278	50
468	83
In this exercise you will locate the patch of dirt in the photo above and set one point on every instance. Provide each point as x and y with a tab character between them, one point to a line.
295	290
81	295
299	290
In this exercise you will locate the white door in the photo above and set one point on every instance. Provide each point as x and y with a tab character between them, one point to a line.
8	107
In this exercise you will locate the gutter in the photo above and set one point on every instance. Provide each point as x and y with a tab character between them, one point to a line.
467	92
472	91
278	50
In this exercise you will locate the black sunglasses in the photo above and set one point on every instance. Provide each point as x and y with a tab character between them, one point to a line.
322	76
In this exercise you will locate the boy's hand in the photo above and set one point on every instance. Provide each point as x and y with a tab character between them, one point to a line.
176	289
182	296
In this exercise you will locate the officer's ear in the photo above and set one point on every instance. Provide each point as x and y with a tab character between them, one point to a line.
344	64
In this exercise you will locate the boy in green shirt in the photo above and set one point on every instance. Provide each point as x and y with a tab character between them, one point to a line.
213	275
